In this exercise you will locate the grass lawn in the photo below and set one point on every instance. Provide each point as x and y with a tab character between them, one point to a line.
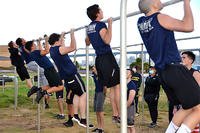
23	120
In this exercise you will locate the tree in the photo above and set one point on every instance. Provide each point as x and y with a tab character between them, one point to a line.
138	63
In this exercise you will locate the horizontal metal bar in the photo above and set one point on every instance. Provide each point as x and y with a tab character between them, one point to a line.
118	18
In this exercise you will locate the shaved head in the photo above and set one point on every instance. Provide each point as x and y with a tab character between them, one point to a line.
144	6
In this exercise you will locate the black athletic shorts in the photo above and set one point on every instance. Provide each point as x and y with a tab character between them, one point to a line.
52	77
59	94
69	95
76	84
22	72
180	85
107	69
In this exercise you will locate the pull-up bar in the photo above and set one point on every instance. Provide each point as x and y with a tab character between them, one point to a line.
130	14
171	2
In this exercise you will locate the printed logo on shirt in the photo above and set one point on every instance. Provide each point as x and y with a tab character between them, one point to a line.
135	78
145	26
91	28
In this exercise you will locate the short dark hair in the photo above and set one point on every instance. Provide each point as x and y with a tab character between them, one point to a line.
90	67
190	54
19	41
28	45
10	44
130	70
53	38
92	11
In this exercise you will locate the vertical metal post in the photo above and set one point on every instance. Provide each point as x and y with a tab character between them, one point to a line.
16	90
38	109
123	81
142	54
87	86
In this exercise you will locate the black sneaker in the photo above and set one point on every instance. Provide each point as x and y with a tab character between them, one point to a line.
152	125
69	123
83	123
95	130
76	119
33	90
116	119
60	116
100	131
39	96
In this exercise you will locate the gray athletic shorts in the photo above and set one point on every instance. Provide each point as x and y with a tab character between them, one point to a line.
32	66
99	101
130	114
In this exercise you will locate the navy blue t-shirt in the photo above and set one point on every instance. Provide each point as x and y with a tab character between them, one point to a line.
26	56
95	39
65	66
98	85
160	42
131	86
42	61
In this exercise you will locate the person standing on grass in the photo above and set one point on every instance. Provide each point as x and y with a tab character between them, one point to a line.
68	73
151	95
39	56
98	101
131	91
137	79
157	32
99	35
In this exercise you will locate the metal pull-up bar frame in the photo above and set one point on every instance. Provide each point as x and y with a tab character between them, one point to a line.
171	2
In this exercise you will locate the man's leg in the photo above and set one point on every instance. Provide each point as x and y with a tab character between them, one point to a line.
177	120
82	105
136	102
101	118
115	113
192	119
29	83
60	105
117	97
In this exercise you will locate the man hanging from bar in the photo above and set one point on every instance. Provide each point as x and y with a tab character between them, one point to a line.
156	30
99	35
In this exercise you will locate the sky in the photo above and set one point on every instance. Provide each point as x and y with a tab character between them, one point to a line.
32	19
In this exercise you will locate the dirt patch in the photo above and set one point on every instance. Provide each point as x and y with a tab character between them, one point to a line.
24	121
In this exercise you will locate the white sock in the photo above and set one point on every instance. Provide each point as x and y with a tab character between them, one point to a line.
184	129
172	128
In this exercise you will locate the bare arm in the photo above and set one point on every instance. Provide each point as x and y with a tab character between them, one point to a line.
106	34
196	76
46	47
87	41
184	25
39	44
65	50
131	98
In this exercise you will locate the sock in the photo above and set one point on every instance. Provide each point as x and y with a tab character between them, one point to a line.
69	117
76	115
184	129
172	128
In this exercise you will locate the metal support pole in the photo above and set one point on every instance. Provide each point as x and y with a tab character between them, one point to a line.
87	86
142	56
123	81
38	108
16	90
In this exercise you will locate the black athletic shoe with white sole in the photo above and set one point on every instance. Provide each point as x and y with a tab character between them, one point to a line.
33	90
